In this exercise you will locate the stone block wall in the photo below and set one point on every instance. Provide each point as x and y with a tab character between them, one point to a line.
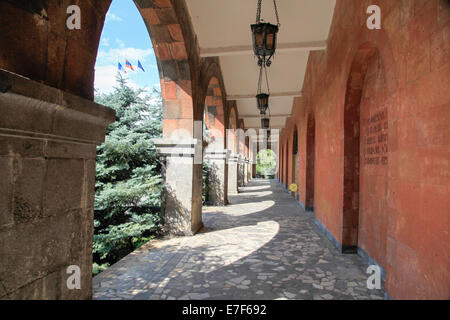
48	145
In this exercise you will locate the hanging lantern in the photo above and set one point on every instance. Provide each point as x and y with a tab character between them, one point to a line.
264	41
262	100
264	37
265	123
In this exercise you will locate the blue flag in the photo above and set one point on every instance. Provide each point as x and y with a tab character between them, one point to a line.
140	66
121	68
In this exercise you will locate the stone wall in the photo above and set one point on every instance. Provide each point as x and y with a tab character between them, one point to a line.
48	142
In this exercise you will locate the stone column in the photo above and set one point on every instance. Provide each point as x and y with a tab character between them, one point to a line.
218	186
182	196
250	170
241	161
48	141
233	173
245	171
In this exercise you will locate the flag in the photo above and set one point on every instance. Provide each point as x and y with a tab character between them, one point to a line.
128	65
140	66
121	68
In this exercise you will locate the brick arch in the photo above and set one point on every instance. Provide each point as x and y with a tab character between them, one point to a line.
310	160
232	124
380	43
285	163
36	43
280	161
241	136
65	59
210	76
352	153
211	99
294	155
232	116
213	110
175	49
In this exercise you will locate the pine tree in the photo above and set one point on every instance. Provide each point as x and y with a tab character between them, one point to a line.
128	181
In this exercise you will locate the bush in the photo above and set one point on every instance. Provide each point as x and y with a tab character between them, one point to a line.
266	163
205	179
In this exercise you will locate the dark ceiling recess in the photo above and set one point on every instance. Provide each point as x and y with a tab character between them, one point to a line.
33	6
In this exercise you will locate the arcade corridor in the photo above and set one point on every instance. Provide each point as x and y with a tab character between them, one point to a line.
261	246
358	117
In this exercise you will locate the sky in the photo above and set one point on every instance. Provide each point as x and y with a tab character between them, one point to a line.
125	36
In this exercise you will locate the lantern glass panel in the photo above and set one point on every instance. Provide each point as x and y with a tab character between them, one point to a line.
270	41
259	39
264	38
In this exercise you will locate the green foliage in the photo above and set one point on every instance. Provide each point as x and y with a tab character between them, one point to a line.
128	181
266	163
97	268
205	180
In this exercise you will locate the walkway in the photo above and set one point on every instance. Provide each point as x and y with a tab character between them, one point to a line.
262	246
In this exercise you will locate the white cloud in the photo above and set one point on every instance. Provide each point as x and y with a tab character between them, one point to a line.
105	42
120	43
114	55
112	17
105	79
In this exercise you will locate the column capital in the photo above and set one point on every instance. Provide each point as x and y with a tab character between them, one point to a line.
177	148
234	157
32	109
217	154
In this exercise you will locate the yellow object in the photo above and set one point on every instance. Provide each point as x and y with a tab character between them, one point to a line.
293	187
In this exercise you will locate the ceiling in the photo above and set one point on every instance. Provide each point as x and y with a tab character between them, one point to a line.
223	30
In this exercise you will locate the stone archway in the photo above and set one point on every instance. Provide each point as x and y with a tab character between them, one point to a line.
310	160
233	147
215	154
286	163
295	161
53	127
365	154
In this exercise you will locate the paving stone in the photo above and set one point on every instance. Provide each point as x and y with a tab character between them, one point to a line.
258	247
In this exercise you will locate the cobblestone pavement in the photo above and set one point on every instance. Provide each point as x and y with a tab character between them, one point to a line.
261	246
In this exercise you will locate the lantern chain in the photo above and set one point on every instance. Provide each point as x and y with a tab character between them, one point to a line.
263	66
276	12
258	12
267	80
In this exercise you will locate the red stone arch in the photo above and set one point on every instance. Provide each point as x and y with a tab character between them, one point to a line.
280	163
214	117
172	37
232	124
241	137
65	59
368	62
49	52
294	160
285	163
310	161
211	98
